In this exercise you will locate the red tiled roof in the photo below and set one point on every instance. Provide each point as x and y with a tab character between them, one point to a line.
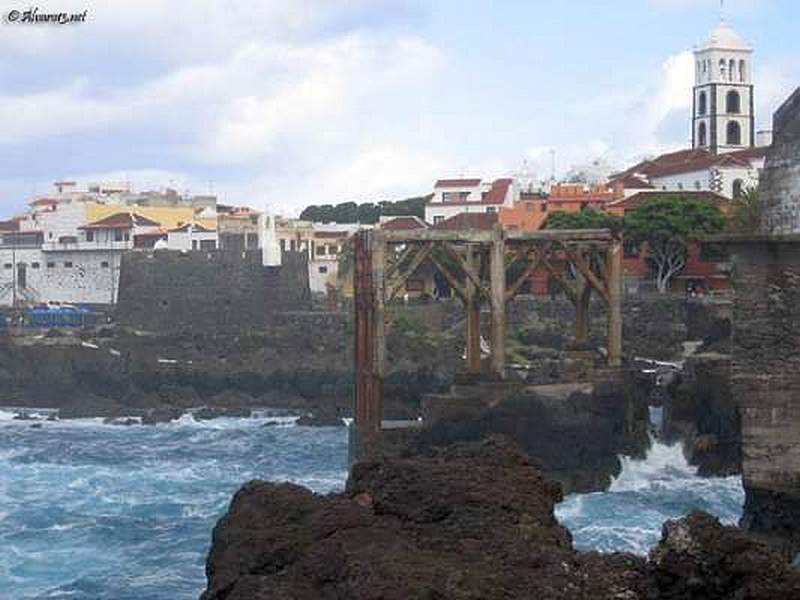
497	193
194	226
10	225
121	220
457	183
44	202
687	161
468	221
403	223
635	182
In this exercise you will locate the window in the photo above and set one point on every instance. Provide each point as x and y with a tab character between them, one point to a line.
35	265
680	185
449	197
723	69
697	185
742	71
68	265
127	236
702	104
208	245
490	210
321	250
734	132
733	103
731	69
90	236
194	244
117	235
701	134
283	245
323	269
51	265
333	250
738	188
104	264
438	219
8	266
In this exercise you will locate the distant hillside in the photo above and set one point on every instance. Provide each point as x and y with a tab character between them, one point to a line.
367	213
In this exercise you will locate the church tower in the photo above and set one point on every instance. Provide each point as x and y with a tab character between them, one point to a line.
722	117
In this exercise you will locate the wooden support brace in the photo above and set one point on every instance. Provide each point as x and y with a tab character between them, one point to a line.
534	264
451	279
586	270
399	281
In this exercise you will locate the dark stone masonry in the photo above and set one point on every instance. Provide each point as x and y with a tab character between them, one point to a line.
208	291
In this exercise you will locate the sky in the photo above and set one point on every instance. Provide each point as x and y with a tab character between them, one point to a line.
282	104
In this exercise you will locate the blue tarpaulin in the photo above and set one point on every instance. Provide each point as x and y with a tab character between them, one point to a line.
60	316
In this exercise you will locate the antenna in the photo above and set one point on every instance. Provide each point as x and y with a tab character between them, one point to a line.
721	10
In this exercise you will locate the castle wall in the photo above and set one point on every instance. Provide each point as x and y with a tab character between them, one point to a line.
208	291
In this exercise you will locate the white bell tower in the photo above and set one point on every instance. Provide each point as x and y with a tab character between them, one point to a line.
722	117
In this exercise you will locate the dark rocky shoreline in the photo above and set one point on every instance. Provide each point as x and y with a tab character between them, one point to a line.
467	521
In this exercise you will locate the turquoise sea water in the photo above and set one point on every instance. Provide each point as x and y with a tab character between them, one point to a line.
104	512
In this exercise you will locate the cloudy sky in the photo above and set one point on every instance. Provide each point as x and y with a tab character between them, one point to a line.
292	102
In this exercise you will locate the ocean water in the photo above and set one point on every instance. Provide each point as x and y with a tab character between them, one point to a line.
105	512
628	517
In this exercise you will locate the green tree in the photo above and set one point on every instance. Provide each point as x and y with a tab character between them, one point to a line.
366	212
584	219
667	224
746	214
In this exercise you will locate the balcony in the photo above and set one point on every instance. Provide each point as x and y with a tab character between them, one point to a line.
75	245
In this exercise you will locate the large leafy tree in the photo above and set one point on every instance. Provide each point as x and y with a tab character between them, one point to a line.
666	225
366	213
584	219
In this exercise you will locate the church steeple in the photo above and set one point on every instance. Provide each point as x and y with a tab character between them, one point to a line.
722	119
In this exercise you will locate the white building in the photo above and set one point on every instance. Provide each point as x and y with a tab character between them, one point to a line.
452	197
191	236
724	157
723	119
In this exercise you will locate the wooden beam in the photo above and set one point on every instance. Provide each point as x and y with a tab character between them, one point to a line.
560	280
586	270
468	269
397	284
614	269
568	235
451	279
437	235
472	307
534	264
497	271
404	256
582	307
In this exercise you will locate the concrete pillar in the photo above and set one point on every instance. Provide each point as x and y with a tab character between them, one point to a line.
472	308
614	283
497	268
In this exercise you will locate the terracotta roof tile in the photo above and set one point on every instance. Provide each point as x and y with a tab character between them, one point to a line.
404	223
457	183
468	221
121	220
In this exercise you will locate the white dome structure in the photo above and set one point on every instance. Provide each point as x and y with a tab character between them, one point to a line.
723	37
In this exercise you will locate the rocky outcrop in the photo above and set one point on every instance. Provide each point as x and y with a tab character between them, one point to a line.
698	558
702	413
574	436
471	521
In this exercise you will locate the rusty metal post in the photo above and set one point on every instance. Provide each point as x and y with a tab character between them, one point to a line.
368	386
497	268
614	270
472	308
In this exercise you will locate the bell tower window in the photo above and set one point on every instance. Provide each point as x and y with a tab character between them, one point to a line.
734	134
701	134
702	104
733	103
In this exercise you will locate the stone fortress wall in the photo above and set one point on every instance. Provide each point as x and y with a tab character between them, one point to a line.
168	291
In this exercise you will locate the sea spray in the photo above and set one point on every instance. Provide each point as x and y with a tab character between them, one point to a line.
628	517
